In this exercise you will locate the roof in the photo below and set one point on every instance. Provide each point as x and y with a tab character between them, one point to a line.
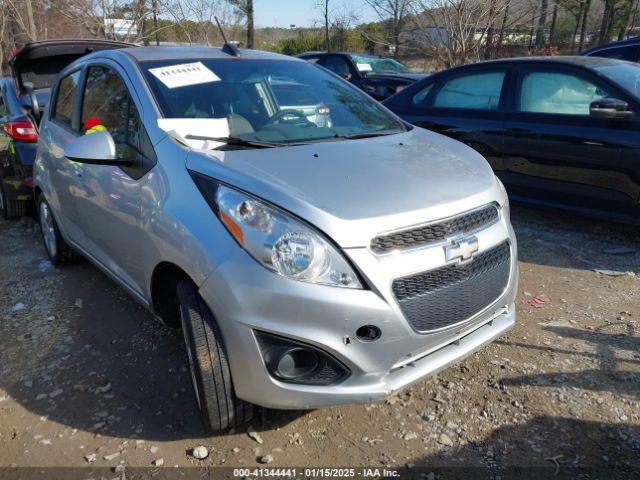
623	43
144	54
319	52
587	62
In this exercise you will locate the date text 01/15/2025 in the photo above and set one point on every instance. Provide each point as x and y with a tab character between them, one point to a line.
315	472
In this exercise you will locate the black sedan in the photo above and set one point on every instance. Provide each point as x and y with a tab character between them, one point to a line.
379	76
558	131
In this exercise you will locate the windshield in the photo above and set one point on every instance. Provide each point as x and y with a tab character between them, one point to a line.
367	63
268	101
624	74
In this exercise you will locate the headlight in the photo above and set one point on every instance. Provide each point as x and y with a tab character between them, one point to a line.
276	239
505	206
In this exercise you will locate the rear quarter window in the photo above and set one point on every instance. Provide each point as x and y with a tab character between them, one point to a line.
64	108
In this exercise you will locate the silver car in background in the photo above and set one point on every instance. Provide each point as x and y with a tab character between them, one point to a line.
308	263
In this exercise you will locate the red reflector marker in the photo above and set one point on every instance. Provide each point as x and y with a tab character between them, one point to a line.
21	131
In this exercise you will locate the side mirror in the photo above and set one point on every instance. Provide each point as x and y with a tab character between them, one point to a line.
97	148
610	109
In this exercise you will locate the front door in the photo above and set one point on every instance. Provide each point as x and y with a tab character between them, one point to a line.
108	197
555	152
60	131
465	106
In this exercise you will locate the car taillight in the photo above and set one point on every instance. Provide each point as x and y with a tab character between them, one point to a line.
21	131
323	109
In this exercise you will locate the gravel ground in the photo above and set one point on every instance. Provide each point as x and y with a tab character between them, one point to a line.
90	379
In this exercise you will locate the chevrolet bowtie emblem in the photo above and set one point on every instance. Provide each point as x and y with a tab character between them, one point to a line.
461	250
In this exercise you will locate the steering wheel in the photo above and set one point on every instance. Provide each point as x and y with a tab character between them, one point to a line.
295	116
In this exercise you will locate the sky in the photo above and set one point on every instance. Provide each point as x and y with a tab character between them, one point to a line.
302	13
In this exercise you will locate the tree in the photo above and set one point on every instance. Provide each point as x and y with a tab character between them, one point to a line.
245	8
542	22
394	15
324	7
456	30
583	29
554	24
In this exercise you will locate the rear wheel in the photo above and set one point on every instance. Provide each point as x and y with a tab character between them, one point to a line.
58	250
208	362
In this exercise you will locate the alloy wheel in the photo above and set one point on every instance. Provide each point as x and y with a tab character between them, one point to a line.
48	229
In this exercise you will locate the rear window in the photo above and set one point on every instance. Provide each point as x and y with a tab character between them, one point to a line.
65	101
620	53
293	94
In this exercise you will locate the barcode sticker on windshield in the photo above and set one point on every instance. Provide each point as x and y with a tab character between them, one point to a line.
185	74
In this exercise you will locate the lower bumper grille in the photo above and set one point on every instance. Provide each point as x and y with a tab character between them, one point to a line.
451	294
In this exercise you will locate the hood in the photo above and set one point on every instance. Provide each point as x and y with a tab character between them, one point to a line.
355	189
38	63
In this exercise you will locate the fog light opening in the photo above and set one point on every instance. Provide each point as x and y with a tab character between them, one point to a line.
294	363
368	333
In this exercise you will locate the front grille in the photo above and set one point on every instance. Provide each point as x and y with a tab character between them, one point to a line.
435	232
453	293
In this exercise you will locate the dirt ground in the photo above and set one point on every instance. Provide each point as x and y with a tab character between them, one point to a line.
89	379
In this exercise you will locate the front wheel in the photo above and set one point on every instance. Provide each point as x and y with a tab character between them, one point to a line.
220	407
58	250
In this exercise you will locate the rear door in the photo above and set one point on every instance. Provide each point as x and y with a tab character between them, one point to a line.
556	152
466	105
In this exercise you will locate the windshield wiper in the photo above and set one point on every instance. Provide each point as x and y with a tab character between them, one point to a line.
237	141
355	136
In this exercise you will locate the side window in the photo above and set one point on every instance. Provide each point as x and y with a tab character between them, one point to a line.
108	106
312	59
65	100
337	65
478	91
558	93
420	98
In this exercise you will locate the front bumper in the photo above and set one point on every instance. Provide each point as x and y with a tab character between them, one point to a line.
246	297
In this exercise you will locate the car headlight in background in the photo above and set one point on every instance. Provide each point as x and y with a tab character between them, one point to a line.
276	239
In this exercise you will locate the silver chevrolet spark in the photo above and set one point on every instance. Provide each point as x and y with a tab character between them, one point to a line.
310	258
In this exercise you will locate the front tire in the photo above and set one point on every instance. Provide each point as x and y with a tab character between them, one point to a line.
208	362
58	251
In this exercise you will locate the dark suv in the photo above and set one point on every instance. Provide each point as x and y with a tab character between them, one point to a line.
625	50
23	95
378	76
